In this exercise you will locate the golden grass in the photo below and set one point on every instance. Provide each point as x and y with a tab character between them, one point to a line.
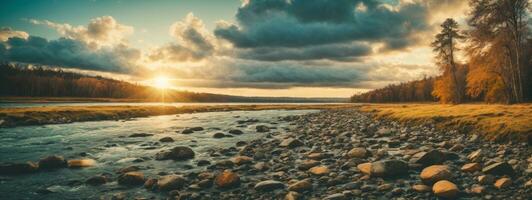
61	114
495	122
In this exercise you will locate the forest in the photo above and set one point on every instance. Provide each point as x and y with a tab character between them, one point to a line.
18	80
497	46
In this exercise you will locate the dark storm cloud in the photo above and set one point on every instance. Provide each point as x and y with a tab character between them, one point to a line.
347	52
68	53
300	23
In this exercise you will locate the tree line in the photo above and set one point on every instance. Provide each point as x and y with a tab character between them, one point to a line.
497	46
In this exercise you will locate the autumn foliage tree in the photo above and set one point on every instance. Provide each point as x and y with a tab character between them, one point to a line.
449	87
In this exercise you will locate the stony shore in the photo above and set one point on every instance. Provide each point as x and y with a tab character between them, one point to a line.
332	154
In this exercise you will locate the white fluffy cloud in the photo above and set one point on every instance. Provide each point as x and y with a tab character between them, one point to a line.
101	31
6	33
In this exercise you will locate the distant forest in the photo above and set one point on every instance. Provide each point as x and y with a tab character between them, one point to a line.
498	68
36	81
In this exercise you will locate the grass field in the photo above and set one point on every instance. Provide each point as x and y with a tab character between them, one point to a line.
494	122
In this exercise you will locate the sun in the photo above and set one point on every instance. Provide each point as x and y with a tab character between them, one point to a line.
161	82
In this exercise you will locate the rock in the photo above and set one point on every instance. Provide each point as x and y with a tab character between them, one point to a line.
128	169
389	168
170	182
486	179
385	187
236	132
307	164
177	153
301	186
528	184
197	128
477	189
150	184
218	135
187	131
318	156
140	135
241	160
262	128
503	183
365	168
500	168
319	170
18	168
337	196
292	196
428	158
471	167
445	189
268	185
166	139
421	188
81	163
203	163
475	156
227	179
358	153
261	166
291	143
435	173
97	180
52	162
131	178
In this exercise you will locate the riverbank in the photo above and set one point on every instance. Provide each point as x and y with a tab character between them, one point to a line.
11	117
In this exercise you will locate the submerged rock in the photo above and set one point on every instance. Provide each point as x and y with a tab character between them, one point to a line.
166	139
18	168
131	178
262	128
52	162
176	153
140	135
97	180
236	132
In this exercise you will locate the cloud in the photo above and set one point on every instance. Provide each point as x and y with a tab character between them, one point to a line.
7	32
101	31
69	53
338	52
193	42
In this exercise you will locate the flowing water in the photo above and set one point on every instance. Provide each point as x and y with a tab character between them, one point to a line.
108	143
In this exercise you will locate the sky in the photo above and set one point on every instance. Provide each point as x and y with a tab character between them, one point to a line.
294	48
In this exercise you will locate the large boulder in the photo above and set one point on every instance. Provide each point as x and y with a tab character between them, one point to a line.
445	189
500	168
227	179
389	168
52	162
18	168
177	153
131	178
170	182
435	173
432	157
269	185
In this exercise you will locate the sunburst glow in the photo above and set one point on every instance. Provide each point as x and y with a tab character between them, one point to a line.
161	82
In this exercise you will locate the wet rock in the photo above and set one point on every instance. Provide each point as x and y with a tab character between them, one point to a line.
445	189
358	153
500	168
292	196
227	179
261	166
389	168
166	139
318	156
475	156
319	170
365	168
477	189
291	143
150	184
435	173
140	135
502	183
421	188
236	132
131	178
471	167
301	186
428	158
307	164
176	153
218	135
170	182
97	180
191	130
241	160
81	163
128	169
337	196
269	185
203	163
262	128
52	162
18	168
